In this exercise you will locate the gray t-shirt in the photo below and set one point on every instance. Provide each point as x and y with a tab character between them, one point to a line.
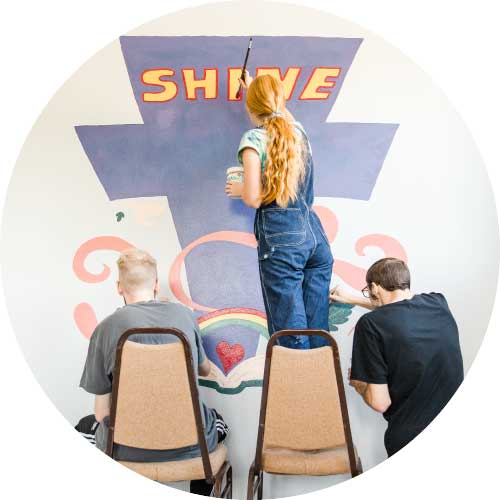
97	377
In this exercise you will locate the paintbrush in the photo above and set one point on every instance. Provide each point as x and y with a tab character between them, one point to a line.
240	88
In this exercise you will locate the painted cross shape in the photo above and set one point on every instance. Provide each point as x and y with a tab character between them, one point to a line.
185	144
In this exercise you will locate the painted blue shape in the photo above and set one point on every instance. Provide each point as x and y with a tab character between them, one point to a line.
184	147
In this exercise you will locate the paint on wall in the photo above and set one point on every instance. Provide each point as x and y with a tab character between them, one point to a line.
185	89
418	201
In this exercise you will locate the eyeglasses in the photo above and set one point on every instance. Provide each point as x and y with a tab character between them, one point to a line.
366	292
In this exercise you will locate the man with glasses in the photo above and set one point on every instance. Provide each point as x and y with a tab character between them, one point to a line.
406	359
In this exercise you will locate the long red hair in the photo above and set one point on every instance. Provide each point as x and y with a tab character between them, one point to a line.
284	168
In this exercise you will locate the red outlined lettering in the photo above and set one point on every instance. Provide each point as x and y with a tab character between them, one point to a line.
317	80
276	72
196	84
153	77
229	86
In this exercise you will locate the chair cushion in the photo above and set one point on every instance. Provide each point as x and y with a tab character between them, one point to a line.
180	470
311	463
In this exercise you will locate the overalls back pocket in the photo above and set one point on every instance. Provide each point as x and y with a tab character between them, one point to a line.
283	226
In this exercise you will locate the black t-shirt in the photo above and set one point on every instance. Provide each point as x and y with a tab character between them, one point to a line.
413	347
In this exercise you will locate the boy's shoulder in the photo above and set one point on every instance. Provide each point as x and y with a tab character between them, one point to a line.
102	331
132	315
366	320
434	296
162	307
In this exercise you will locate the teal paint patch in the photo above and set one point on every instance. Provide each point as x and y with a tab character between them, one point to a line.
230	390
119	216
338	314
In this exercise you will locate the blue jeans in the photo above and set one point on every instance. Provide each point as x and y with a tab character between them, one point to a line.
295	264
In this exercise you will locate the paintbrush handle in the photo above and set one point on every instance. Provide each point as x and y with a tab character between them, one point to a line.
238	94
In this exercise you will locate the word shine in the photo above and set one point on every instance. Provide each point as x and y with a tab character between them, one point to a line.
318	86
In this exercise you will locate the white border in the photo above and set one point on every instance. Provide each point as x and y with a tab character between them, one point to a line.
43	43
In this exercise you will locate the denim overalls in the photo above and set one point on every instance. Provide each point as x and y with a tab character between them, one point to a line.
295	265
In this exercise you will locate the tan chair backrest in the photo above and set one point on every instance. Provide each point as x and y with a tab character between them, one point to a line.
303	404
154	409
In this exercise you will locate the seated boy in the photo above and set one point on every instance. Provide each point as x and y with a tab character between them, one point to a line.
138	285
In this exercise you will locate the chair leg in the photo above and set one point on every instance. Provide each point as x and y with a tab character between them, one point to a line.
223	477
227	491
229	483
253	487
251	482
217	487
359	466
261	486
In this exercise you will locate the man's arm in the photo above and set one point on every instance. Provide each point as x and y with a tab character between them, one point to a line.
338	294
102	406
200	356
95	378
376	396
369	371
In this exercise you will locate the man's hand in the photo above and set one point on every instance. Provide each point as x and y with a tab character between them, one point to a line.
359	386
339	294
234	189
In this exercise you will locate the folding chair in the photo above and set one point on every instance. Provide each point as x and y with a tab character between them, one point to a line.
304	424
155	406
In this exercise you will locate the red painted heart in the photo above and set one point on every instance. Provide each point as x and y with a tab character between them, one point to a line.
229	354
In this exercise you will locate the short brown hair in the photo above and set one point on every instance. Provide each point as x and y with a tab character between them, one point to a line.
390	273
137	270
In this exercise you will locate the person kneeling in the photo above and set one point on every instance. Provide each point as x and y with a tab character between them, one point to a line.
406	359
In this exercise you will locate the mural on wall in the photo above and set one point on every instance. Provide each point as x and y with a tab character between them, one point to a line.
185	89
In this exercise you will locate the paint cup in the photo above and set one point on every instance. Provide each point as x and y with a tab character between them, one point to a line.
234	174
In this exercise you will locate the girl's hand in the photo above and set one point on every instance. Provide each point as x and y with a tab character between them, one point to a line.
247	79
234	189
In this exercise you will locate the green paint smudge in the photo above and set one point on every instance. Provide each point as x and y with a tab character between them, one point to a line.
338	315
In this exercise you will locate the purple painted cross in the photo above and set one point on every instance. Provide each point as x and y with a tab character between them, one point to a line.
184	147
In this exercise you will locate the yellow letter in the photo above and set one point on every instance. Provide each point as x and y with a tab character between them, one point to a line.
317	80
233	75
208	83
154	77
289	80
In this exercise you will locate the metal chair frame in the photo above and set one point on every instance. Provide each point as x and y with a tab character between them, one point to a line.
255	473
226	470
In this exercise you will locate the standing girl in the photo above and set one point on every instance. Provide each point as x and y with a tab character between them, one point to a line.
295	260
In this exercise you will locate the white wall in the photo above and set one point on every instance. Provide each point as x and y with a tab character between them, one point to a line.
433	195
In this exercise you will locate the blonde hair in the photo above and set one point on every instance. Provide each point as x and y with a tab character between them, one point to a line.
285	167
137	270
